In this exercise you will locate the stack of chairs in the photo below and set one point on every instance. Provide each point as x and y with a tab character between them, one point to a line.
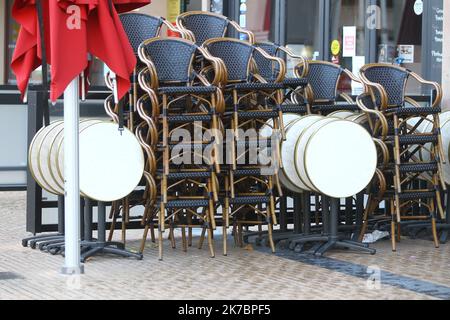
184	108
138	28
251	102
413	172
257	93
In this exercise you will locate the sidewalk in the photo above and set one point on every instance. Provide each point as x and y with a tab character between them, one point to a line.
417	271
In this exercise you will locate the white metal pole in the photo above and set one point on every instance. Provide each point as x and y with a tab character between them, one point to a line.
72	263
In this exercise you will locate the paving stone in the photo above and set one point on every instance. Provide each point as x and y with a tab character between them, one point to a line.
243	274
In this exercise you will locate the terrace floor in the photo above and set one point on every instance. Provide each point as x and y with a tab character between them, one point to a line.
416	271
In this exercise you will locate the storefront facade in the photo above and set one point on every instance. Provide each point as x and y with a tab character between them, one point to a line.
347	32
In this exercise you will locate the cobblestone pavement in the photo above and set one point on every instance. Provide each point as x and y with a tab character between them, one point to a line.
417	271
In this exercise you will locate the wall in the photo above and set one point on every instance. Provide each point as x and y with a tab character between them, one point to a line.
2	41
446	57
156	8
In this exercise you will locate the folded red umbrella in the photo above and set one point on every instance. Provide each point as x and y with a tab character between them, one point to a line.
108	41
128	5
96	30
27	54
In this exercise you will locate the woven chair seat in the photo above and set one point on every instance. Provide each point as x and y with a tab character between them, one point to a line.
188	175
187	90
255	143
257	114
189	118
335	107
294	108
295	82
250	200
185	203
247	172
256	86
413	195
412	139
410	111
419	167
417	195
191	146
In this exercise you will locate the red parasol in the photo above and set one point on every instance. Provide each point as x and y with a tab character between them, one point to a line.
72	29
67	47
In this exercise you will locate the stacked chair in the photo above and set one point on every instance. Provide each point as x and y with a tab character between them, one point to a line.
184	105
322	94
412	135
202	26
293	87
250	103
138	28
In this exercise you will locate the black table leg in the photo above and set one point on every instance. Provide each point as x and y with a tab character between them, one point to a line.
334	239
103	246
45	240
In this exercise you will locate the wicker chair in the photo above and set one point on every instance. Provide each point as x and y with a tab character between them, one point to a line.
413	131
251	103
180	100
322	91
293	86
138	28
202	26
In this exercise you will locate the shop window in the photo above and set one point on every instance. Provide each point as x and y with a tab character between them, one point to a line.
347	38
257	16
400	36
302	27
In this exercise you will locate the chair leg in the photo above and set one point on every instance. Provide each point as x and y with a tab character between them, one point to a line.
211	242
152	232
160	243
365	224
172	237
144	239
393	227
434	231
270	237
183	239
202	238
240	238
224	230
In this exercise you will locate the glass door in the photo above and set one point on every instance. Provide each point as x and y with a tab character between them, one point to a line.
258	17
399	37
347	34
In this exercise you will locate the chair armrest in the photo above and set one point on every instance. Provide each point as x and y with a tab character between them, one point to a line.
238	28
303	60
182	31
372	85
140	108
384	150
413	102
109	101
436	86
281	64
382	119
150	92
347	98
154	82
220	70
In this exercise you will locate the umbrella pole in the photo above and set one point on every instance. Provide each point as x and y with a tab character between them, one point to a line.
72	263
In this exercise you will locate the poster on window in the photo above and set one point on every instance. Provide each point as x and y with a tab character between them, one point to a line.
406	53
349	42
